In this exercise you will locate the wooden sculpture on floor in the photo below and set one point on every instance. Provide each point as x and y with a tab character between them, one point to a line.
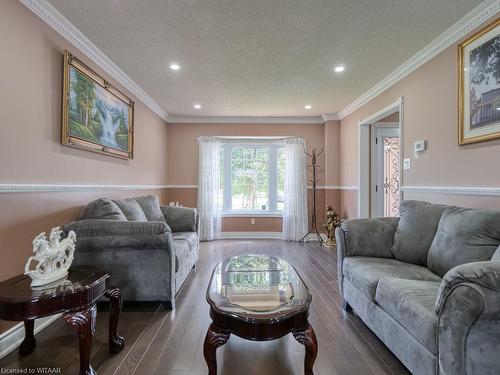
314	165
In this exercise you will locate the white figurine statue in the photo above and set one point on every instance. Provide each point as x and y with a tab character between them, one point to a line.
54	257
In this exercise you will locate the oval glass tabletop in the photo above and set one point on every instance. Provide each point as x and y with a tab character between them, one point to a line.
257	286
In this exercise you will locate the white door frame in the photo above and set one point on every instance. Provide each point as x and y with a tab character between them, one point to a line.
364	153
376	204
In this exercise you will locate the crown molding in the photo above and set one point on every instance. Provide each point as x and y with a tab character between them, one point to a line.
480	14
52	17
245	120
330	117
460	190
44	188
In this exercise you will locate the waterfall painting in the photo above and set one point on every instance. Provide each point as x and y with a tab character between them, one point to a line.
479	85
96	115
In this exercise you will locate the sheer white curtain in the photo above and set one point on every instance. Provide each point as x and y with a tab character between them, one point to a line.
209	200
295	200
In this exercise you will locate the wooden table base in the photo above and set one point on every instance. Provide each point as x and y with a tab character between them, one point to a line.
217	337
84	321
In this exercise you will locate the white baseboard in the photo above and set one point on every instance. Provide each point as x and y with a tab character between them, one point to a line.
13	337
250	235
264	236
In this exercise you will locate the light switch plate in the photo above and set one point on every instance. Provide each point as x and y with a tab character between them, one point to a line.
252	220
420	146
406	163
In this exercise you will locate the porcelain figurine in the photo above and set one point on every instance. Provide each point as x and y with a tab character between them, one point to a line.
54	257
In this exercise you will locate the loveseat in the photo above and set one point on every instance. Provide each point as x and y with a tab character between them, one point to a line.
148	249
427	284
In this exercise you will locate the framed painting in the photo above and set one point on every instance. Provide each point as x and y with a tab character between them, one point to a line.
479	85
96	115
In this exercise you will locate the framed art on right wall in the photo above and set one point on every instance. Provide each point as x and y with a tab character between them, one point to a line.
479	85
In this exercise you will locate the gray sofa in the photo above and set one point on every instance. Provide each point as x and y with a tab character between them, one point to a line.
428	285
148	249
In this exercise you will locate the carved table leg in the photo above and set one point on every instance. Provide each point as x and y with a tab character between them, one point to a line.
29	342
307	337
84	321
215	337
116	342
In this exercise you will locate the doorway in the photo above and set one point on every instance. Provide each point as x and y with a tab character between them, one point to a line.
380	177
385	169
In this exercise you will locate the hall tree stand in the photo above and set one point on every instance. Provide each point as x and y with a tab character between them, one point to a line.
75	297
314	165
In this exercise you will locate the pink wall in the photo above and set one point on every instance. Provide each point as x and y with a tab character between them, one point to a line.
430	113
30	142
183	145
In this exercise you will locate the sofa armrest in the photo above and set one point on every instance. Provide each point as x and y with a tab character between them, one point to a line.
102	227
468	308
483	274
181	219
368	237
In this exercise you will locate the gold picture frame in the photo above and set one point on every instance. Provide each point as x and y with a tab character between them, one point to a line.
96	115
479	85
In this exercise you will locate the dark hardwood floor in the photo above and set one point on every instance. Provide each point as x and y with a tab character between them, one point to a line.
170	342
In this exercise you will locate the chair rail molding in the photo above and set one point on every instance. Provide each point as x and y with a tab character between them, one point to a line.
460	190
320	187
52	17
477	16
44	188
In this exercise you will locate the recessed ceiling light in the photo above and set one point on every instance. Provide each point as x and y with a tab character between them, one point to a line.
308	106
339	68
175	66
197	106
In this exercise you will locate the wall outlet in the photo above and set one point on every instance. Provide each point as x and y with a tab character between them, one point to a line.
420	146
252	221
406	163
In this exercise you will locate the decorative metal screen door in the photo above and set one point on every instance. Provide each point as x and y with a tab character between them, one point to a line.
386	169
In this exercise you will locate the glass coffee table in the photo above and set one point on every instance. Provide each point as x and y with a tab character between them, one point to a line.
258	297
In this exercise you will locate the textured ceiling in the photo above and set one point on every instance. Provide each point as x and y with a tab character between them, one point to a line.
260	57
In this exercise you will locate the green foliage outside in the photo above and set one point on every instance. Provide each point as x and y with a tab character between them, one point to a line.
250	177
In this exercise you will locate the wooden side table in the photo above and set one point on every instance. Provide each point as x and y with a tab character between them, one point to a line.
75	297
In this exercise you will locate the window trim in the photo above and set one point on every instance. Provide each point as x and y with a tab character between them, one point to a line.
272	210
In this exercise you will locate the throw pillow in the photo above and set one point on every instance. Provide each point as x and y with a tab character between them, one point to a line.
151	207
131	209
102	208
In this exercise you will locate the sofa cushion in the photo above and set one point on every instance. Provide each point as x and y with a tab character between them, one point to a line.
369	237
184	244
418	223
151	207
131	209
190	237
365	272
411	303
180	219
102	208
464	235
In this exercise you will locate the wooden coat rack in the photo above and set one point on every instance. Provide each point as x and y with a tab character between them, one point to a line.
314	165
